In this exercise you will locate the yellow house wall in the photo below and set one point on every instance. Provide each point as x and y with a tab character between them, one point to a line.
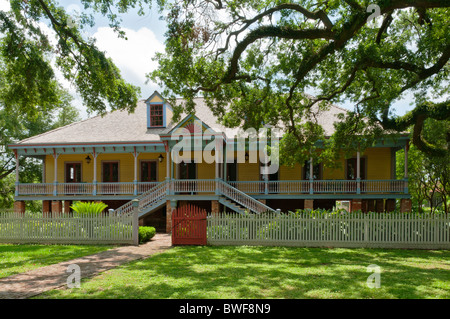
156	98
378	162
126	166
330	173
290	173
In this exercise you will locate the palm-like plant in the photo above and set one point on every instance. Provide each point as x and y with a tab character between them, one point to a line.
88	208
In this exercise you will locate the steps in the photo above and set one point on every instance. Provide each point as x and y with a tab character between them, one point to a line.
229	196
230	204
241	199
151	208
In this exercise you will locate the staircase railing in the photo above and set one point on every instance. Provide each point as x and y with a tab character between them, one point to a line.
242	198
160	191
146	199
157	194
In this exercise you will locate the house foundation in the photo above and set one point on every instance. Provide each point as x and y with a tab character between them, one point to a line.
19	206
405	205
46	206
356	205
215	207
309	204
170	207
67	204
56	207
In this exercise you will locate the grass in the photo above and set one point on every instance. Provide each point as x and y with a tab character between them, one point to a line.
16	259
271	272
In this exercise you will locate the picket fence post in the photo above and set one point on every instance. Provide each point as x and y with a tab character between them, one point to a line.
135	222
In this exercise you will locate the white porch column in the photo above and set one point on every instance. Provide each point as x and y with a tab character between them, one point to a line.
55	174
358	172
218	159
167	164
311	175
17	172
406	159
225	162
135	181
94	157
405	188
217	152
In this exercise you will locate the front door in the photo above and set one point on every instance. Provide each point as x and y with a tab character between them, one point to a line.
187	170
149	174
351	168
110	174
73	172
73	175
232	171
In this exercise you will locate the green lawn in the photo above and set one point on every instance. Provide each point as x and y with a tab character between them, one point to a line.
16	259
271	272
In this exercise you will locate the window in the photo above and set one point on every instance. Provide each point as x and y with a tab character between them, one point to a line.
148	171
156	115
110	171
351	168
317	172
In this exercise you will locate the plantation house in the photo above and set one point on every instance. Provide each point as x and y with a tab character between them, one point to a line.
121	156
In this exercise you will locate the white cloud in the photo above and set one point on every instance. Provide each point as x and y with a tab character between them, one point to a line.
133	56
4	5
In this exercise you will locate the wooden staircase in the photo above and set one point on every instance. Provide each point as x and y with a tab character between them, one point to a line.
229	196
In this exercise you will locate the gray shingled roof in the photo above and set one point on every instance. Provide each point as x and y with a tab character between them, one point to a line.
120	126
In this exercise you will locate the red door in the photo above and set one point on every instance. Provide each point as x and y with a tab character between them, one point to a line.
189	226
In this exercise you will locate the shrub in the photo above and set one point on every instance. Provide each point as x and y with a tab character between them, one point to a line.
87	208
146	233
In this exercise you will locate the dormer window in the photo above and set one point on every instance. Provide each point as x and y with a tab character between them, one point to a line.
156	115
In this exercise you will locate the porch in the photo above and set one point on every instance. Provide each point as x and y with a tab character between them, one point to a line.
204	186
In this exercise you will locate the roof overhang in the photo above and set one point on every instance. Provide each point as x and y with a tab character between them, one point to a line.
34	150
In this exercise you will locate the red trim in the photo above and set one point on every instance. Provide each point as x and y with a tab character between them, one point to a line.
166	146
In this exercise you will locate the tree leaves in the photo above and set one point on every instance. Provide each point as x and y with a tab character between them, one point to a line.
268	54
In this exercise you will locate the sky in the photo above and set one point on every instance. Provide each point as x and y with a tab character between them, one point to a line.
145	37
134	56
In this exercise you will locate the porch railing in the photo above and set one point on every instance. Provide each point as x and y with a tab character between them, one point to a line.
321	186
194	186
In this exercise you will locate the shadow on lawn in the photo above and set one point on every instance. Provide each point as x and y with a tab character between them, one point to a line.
15	258
274	272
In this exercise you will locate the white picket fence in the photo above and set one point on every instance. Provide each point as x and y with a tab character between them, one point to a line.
373	230
43	228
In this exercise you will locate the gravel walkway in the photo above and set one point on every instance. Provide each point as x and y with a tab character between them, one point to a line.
37	281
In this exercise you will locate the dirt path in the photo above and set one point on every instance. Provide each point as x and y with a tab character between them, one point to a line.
37	281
